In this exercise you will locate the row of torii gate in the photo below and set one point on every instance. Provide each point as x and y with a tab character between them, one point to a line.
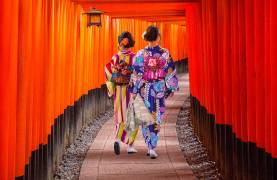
51	64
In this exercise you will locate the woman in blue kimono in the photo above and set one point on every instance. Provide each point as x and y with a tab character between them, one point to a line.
154	76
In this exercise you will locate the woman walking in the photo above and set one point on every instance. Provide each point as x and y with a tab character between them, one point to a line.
155	76
118	73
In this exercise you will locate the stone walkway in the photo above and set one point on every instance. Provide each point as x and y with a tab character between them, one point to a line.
101	162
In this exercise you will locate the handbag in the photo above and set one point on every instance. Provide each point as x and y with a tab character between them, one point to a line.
129	129
137	114
141	111
132	123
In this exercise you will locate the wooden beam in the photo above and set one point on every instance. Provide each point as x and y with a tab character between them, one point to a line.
135	1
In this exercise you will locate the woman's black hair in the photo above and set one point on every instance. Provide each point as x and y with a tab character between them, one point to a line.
152	33
128	35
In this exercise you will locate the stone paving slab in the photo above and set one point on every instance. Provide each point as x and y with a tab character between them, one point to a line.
102	164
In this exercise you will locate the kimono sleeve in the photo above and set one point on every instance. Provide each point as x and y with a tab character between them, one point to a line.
109	72
171	79
138	70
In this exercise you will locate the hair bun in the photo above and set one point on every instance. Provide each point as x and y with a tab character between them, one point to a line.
151	33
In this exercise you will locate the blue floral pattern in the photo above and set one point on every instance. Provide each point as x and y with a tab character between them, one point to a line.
153	74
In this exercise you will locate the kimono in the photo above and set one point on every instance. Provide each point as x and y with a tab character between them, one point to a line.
155	76
118	73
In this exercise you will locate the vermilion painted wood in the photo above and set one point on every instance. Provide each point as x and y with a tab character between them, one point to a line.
235	78
59	60
49	58
8	88
259	53
251	72
273	69
152	9
268	89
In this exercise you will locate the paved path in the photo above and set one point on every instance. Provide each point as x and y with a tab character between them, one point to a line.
101	162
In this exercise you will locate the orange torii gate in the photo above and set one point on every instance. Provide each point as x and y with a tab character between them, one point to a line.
49	60
232	65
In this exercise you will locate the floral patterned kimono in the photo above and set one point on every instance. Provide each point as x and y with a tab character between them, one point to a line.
118	73
155	75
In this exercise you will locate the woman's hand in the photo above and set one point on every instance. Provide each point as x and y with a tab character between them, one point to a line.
131	83
142	91
158	127
134	96
171	94
114	78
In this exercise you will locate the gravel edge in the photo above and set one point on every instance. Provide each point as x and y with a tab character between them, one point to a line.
70	166
194	151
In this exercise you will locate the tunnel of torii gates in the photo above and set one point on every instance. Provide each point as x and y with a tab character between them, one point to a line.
52	76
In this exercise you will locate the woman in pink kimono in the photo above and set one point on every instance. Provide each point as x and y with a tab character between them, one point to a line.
118	73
